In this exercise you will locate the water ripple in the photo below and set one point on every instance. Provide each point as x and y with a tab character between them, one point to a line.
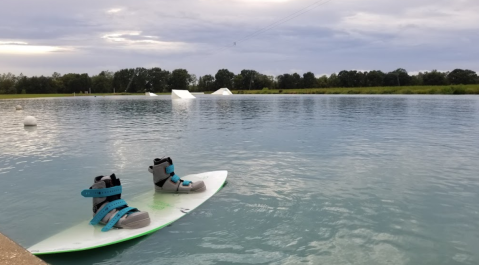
312	179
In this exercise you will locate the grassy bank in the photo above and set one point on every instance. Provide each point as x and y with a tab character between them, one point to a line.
423	90
13	96
433	90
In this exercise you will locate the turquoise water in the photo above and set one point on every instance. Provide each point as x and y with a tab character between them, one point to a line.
312	179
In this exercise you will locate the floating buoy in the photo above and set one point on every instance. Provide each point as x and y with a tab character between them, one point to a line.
30	121
18	107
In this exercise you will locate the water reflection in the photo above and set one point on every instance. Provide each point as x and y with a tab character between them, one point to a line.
30	129
314	179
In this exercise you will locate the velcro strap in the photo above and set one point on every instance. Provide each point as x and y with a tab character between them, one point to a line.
175	179
105	210
116	218
170	169
186	182
97	193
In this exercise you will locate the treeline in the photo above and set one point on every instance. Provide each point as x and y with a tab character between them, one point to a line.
139	80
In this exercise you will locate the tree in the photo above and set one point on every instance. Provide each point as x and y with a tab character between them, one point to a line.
75	83
434	78
248	78
102	83
7	84
224	78
309	80
193	83
159	79
237	81
333	80
286	81
21	86
85	81
375	78
57	82
206	83
141	81
417	80
398	77
464	77
298	81
262	81
56	75
323	81
350	78
122	78
179	80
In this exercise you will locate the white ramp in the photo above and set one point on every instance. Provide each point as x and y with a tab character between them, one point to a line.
179	94
222	91
151	94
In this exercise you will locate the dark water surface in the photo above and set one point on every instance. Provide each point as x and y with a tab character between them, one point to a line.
312	179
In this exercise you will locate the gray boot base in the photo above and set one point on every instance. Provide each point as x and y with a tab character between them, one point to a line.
132	225
160	189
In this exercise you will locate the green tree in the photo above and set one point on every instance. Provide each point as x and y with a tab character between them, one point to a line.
248	78
179	80
206	83
224	78
193	86
140	81
57	83
237	82
122	78
261	81
21	86
102	83
333	80
350	78
434	78
309	80
75	83
398	77
464	77
286	81
375	78
323	81
159	79
417	80
298	81
7	84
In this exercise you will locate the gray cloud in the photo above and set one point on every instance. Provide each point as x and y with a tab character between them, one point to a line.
199	35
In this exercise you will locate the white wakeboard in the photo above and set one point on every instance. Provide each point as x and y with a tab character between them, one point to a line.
163	209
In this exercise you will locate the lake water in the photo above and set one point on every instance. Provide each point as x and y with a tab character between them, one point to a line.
312	179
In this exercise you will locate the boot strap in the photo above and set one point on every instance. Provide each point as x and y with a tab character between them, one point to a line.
105	210
98	193
116	218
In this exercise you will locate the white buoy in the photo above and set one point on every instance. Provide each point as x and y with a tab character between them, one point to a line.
18	107
30	121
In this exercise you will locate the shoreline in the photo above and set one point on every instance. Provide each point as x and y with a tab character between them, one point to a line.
406	90
402	90
13	253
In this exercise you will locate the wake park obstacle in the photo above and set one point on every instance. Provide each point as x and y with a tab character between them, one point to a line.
180	94
222	91
149	94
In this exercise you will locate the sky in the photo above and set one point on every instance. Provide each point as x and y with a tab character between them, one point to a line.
270	36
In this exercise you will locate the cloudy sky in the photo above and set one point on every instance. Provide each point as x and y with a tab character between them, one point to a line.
272	36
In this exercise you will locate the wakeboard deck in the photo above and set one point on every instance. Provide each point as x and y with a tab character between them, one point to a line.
163	209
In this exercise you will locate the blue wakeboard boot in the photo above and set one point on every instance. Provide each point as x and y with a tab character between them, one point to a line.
166	180
108	207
